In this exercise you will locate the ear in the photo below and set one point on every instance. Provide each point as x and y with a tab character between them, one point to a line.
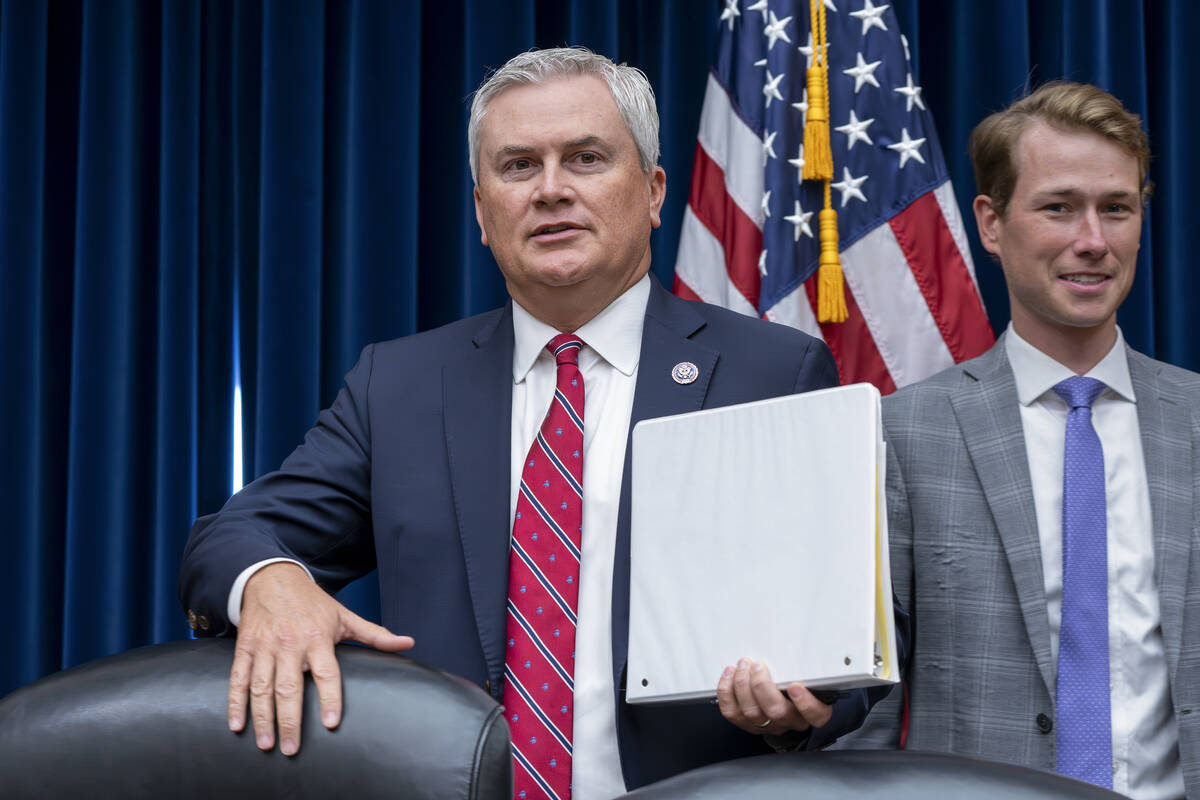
658	193
479	217
989	222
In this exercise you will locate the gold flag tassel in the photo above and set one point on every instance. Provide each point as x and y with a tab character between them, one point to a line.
831	293
818	155
818	165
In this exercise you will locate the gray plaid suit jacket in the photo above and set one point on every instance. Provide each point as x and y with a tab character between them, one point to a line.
967	562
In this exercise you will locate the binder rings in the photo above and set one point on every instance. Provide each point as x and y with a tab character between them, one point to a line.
760	531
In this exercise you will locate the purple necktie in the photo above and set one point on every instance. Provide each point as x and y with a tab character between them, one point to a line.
1083	703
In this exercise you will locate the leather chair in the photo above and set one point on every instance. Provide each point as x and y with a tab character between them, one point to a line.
151	723
869	775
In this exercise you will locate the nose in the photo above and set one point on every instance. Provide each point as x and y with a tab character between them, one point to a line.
554	186
1090	240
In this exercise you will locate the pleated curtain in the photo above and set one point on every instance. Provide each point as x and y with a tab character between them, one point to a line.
197	192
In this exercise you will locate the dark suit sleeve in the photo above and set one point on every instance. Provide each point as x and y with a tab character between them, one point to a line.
818	370
314	509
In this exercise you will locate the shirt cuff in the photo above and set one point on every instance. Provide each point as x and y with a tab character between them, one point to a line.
233	609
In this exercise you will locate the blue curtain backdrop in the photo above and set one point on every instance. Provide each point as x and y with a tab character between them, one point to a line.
172	169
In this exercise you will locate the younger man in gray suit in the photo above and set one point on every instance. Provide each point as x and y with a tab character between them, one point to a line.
1043	524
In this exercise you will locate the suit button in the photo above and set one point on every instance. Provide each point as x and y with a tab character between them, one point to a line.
1044	724
192	619
487	686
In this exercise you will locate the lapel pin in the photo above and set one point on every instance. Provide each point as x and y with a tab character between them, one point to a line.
685	372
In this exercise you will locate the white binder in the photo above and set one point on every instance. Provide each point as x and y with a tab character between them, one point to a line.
760	531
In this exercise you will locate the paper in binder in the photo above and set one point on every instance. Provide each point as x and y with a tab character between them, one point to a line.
760	531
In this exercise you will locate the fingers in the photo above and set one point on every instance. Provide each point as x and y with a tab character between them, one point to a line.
289	700
327	677
777	712
289	626
262	700
812	710
354	627
726	702
239	688
737	701
748	697
744	692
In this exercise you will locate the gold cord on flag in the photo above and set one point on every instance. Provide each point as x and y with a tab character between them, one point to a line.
831	291
818	158
818	165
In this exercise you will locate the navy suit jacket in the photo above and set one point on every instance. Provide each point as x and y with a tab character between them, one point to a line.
408	471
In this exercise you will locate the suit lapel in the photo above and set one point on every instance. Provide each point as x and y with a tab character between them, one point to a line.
1164	419
989	417
478	408
665	342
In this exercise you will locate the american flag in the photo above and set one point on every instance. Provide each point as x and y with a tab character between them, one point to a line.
749	237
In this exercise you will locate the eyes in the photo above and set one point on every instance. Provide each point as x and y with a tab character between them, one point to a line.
583	161
1111	209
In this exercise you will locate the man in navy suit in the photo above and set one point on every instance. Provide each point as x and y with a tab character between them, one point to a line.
414	468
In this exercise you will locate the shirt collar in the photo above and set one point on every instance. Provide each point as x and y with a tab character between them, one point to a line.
615	334
1036	373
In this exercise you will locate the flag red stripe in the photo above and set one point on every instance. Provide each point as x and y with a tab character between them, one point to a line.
943	278
737	233
681	289
853	348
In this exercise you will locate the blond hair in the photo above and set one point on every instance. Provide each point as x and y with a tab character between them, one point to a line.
1061	104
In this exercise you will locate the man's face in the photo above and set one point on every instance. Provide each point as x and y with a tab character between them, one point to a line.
1069	239
561	198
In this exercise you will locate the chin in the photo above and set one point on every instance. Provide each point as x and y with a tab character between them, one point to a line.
560	275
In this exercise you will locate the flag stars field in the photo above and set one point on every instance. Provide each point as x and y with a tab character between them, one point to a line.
871	16
769	146
774	31
863	73
730	12
856	130
798	162
849	186
799	218
911	92
908	148
747	241
771	87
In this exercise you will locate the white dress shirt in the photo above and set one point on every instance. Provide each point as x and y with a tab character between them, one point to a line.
1145	738
609	364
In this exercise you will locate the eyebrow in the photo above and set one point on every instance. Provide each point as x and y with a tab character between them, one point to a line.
585	141
524	149
1067	192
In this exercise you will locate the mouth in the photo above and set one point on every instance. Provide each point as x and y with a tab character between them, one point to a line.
1085	278
555	229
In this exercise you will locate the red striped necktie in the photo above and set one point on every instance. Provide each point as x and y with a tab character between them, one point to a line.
543	590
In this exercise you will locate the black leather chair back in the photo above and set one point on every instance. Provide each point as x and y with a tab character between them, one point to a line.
151	723
869	775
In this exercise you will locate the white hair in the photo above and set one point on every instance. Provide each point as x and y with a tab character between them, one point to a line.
629	86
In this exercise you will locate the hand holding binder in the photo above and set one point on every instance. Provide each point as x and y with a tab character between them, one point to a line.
748	697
